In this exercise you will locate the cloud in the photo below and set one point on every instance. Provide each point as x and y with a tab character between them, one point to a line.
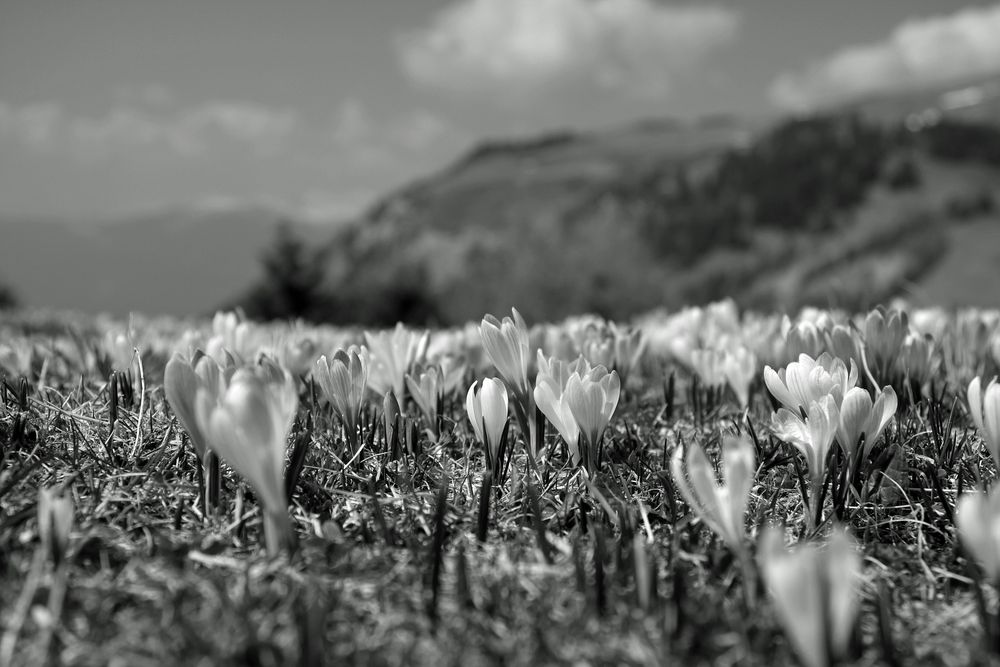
521	47
919	52
377	141
187	132
34	125
313	206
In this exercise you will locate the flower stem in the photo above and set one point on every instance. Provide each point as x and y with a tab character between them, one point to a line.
277	532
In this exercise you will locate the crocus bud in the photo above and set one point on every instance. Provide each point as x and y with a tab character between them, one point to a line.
814	591
391	355
592	400
55	519
248	427
884	333
740	368
486	405
425	388
860	417
985	410
390	413
720	507
181	381
343	382
506	344
977	518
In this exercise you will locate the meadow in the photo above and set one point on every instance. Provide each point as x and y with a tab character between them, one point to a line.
704	486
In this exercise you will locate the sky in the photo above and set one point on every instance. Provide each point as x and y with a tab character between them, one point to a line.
110	108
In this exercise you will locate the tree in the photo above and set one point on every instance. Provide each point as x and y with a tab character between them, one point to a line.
292	285
7	298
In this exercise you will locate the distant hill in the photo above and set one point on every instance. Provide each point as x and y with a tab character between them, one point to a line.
848	207
178	261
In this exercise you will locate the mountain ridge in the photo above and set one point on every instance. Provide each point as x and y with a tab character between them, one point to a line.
609	220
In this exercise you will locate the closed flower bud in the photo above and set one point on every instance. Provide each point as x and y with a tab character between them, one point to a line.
815	592
55	519
721	507
985	410
486	406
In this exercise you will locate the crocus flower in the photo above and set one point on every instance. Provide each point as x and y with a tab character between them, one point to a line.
452	372
592	400
808	380
391	356
812	436
802	337
740	368
486	406
425	388
55	519
977	518
720	506
985	410
248	425
884	333
916	359
506	344
709	366
629	347
550	397
814	591
842	342
181	381
343	382
230	338
297	353
859	416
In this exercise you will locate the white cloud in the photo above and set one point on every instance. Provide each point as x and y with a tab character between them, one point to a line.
517	47
376	141
186	131
919	52
34	125
312	206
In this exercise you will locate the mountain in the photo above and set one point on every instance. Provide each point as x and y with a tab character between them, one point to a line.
177	260
850	206
893	195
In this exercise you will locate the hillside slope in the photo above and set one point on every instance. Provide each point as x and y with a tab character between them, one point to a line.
849	207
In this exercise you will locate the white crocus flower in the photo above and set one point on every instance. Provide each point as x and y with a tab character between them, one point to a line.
486	406
859	416
815	592
55	519
425	388
248	425
592	401
550	397
709	366
812	436
808	380
181	381
391	354
343	381
985	410
740	368
506	345
722	507
977	518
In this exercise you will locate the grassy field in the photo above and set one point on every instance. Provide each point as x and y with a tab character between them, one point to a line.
402	554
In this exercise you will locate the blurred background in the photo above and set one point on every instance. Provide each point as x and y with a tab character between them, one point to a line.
433	160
